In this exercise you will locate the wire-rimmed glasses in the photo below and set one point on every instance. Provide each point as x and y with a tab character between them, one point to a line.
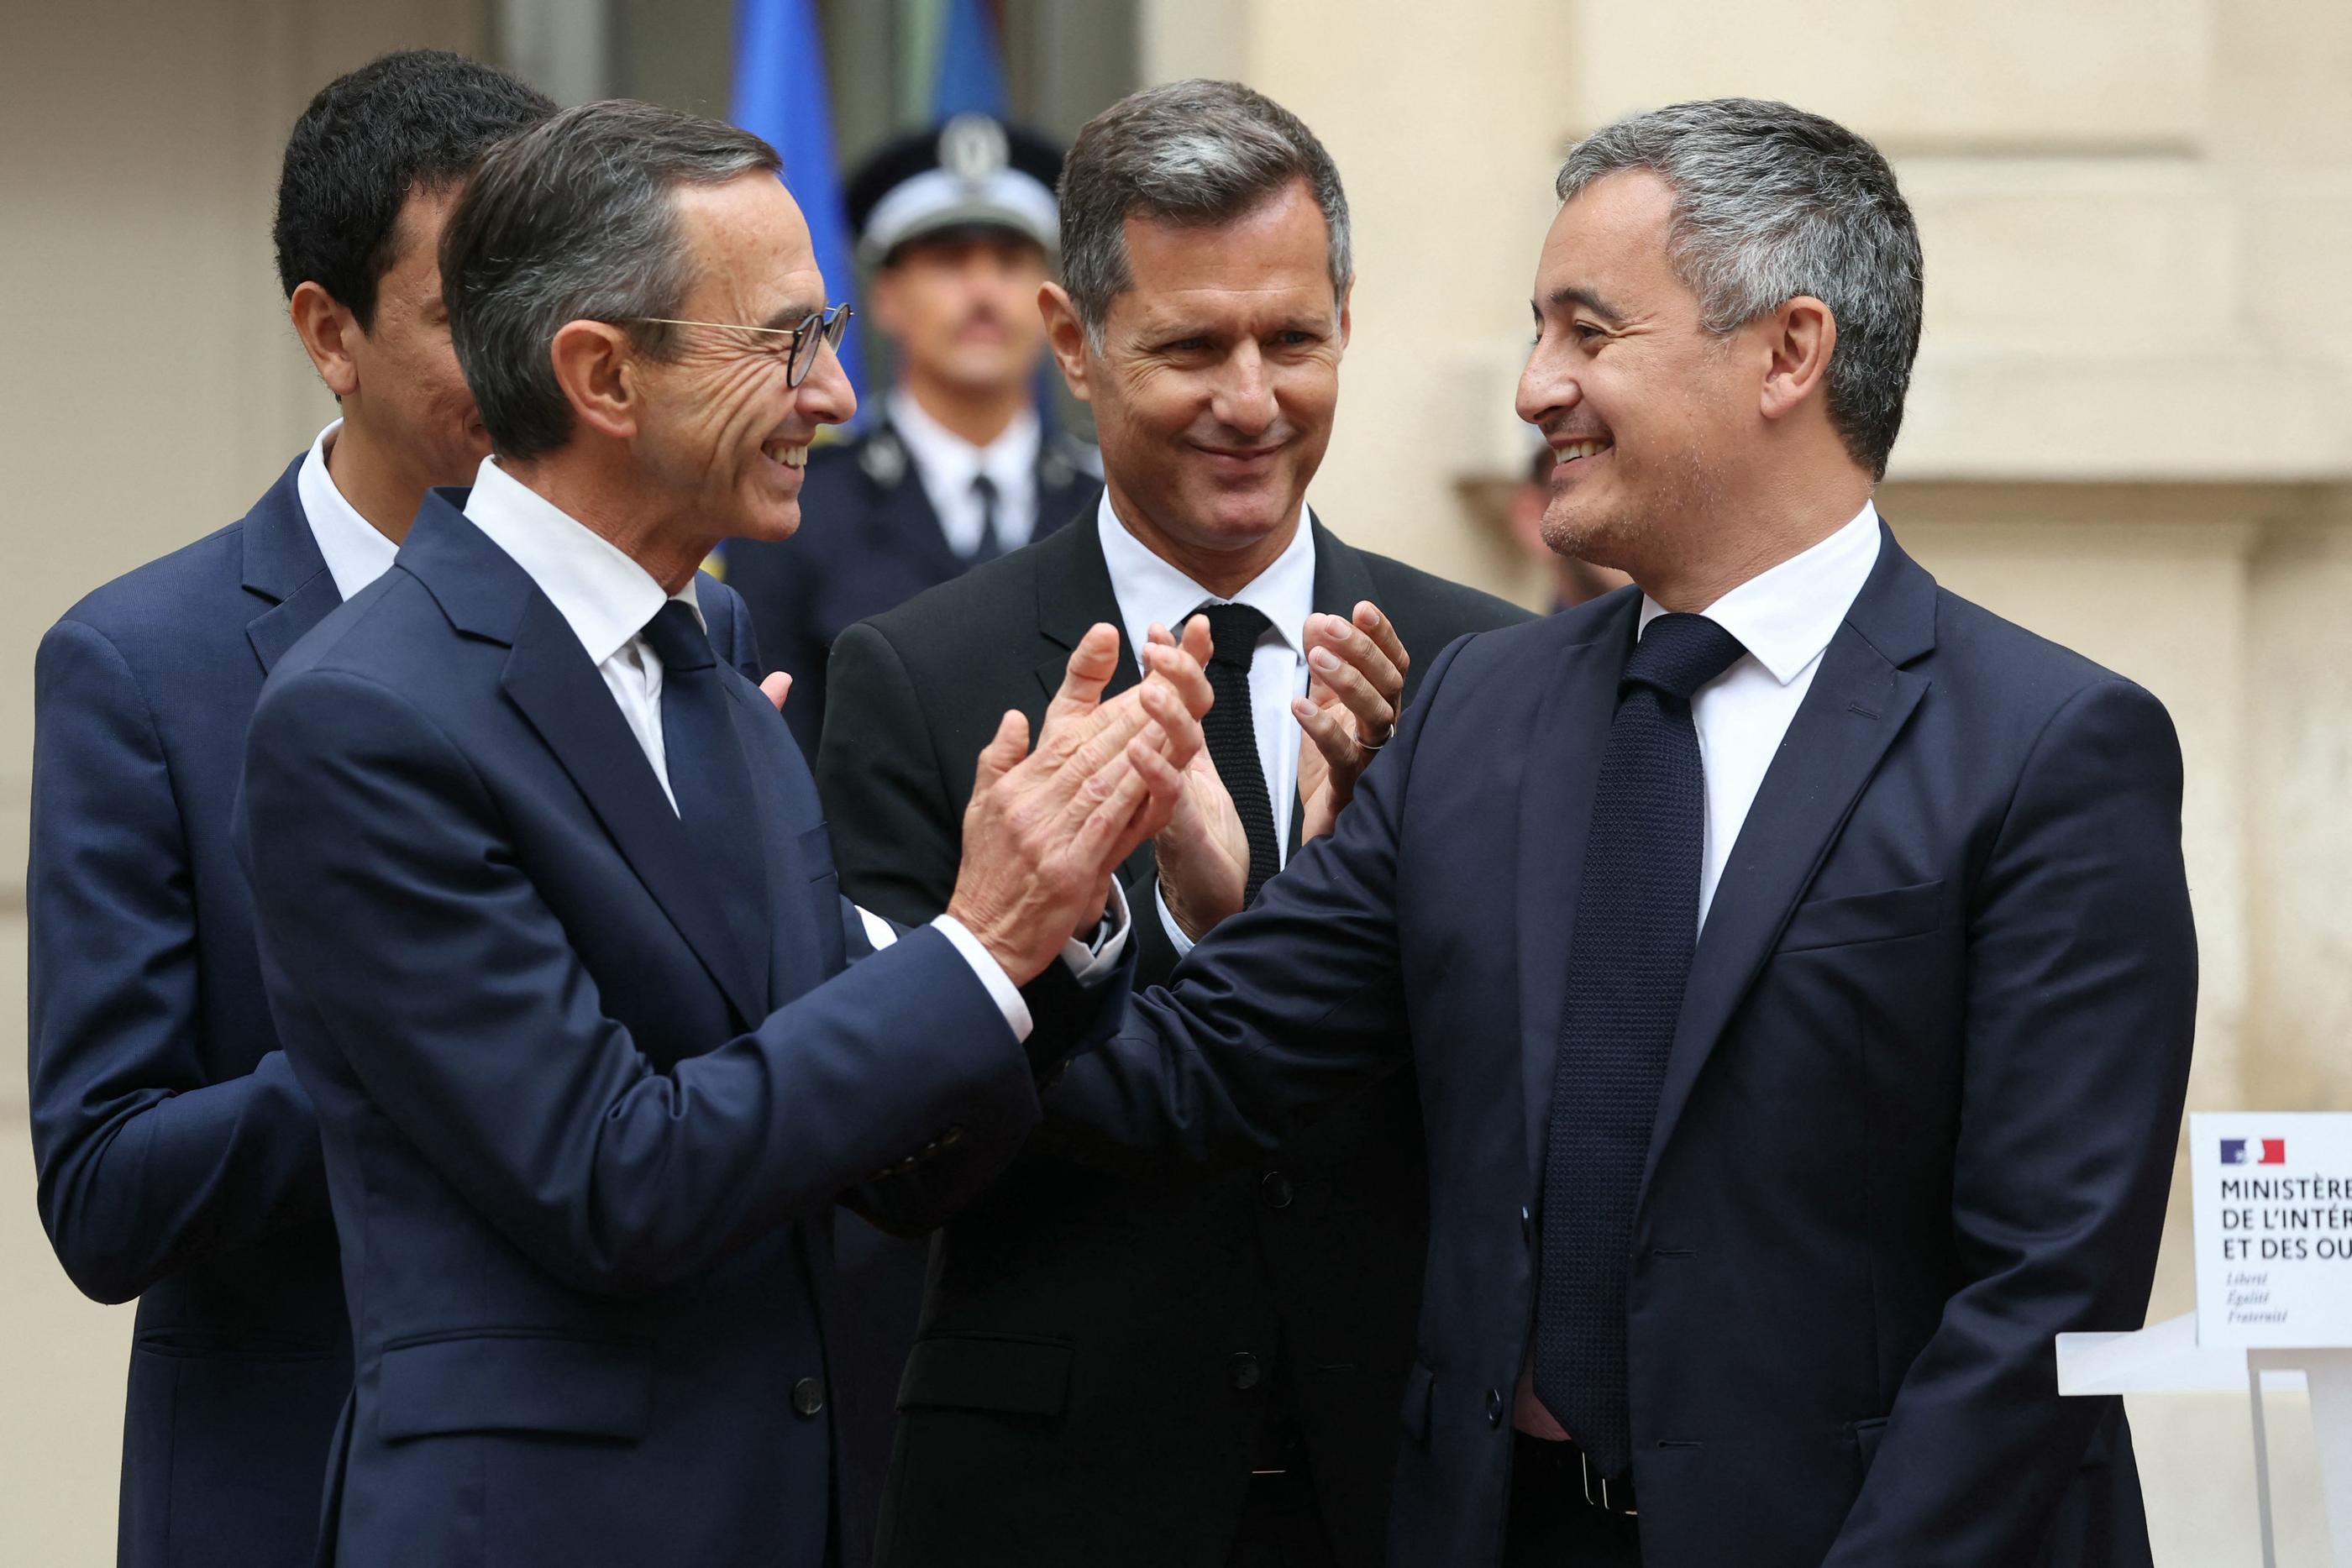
826	327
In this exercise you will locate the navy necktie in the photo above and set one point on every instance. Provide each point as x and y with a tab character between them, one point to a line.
708	776
1628	956
991	540
1230	734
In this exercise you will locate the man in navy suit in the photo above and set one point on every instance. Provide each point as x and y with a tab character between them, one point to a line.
178	1157
1795	959
550	927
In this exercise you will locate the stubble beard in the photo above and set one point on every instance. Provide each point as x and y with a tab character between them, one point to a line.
1652	524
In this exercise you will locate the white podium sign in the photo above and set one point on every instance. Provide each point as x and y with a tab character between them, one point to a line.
2274	1208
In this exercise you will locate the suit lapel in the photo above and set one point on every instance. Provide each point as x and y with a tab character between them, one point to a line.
283	567
1342	582
549	678
1860	700
1560	766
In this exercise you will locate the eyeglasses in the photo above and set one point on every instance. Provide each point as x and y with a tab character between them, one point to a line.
826	327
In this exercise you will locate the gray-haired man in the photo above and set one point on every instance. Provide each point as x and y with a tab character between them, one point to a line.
549	921
1109	1372
1795	959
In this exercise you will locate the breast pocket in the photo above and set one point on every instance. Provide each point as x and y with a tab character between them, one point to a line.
1845	922
514	1381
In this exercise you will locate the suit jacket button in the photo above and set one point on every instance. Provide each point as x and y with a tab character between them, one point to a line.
1276	1190
1527	1225
1493	1407
808	1396
1243	1370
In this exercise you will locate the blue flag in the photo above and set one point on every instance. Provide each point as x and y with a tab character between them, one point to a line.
971	77
780	94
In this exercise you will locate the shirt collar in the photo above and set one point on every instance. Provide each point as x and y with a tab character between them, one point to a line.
603	595
355	553
957	461
1148	589
1786	616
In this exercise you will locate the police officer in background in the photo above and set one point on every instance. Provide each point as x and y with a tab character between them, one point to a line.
956	228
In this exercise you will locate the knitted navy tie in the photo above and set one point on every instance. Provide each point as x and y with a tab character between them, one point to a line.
708	774
1230	734
1636	923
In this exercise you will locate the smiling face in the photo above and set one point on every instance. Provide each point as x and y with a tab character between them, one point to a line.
1215	388
1649	412
722	436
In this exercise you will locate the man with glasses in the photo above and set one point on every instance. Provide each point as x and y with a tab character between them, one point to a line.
546	905
960	464
178	1156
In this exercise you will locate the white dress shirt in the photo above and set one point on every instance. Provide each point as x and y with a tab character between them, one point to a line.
356	553
949	464
1149	590
606	598
1785	617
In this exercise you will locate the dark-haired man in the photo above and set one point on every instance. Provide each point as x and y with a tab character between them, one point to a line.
547	911
178	1157
955	230
1108	1371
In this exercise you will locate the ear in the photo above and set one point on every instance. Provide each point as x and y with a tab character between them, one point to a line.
1346	323
326	327
1803	335
596	367
1067	336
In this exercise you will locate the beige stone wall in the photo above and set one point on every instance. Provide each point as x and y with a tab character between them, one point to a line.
2131	428
152	389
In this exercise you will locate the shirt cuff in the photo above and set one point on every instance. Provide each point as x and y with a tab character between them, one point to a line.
1090	964
1182	943
1001	988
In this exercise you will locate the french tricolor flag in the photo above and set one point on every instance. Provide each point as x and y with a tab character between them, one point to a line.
2254	1150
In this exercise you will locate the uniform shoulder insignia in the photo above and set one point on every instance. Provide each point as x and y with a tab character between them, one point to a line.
883	459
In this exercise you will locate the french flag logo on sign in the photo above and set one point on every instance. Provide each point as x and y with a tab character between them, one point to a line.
2254	1150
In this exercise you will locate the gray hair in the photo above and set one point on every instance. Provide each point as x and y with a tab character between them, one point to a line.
1771	202
1189	152
573	221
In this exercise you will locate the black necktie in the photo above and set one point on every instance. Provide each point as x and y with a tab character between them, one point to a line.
708	774
1630	954
992	544
1230	734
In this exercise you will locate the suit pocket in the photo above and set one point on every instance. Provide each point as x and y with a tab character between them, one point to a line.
1004	1372
1866	1436
1864	917
1420	1389
515	1381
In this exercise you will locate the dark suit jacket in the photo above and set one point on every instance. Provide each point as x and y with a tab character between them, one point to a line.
178	1157
582	1144
868	541
1098	1356
1919	1116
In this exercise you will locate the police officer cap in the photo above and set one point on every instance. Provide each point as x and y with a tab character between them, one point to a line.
974	172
